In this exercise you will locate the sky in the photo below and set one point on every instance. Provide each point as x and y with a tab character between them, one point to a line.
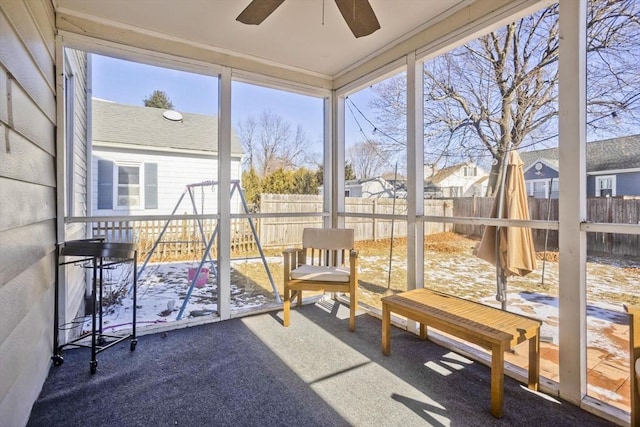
130	83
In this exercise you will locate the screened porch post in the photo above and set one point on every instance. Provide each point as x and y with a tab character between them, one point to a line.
572	210
415	160
334	176
224	201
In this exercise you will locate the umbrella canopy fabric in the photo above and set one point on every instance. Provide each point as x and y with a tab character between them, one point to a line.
516	252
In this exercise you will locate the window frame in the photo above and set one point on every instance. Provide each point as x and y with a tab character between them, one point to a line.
117	185
604	178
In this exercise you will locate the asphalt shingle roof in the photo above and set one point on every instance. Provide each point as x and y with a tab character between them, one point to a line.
608	154
145	126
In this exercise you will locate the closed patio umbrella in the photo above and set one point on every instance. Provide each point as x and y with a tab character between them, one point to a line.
511	246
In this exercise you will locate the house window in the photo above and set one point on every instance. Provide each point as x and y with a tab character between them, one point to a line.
69	104
128	195
470	171
605	186
122	186
69	87
540	189
347	193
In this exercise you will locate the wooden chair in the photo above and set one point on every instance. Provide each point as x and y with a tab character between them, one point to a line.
326	262
634	362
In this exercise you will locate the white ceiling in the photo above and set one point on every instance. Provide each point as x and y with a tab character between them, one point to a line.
294	36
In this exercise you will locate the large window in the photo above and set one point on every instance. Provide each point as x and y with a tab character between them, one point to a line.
484	126
281	174
375	177
155	152
612	190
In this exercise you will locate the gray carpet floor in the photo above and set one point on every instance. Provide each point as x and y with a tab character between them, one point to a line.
252	371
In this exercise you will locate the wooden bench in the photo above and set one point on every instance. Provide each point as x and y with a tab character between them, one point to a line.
488	327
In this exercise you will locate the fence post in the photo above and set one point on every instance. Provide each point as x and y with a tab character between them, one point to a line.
375	221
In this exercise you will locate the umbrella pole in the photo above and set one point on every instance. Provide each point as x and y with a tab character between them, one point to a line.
501	280
393	212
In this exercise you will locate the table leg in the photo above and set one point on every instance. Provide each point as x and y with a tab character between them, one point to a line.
386	329
534	361
497	381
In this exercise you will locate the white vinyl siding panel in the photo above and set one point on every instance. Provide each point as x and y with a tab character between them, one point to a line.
16	58
30	121
27	191
175	171
25	161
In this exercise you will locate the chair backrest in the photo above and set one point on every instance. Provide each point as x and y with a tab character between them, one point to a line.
327	238
327	246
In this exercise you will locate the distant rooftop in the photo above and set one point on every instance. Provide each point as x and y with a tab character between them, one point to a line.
608	154
154	127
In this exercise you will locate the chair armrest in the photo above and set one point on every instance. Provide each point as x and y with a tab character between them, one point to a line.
292	259
354	261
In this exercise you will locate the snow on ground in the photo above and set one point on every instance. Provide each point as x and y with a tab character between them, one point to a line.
162	288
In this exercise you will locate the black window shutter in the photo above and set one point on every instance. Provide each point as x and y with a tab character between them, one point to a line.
105	184
151	186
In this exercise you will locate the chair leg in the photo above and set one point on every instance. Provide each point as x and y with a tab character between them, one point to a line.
286	307
299	295
353	306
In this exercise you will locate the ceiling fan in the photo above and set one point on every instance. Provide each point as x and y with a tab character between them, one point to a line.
358	14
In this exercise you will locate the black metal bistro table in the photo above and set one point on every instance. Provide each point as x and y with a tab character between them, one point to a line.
96	254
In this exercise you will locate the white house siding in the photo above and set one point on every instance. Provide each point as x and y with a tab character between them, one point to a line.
175	171
373	188
28	207
459	181
74	284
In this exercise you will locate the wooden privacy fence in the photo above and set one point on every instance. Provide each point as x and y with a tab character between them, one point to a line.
287	231
617	210
182	239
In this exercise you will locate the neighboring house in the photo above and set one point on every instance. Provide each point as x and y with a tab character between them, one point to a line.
613	169
144	157
461	180
368	188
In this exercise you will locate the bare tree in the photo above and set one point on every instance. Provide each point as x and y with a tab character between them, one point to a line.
247	134
500	91
271	144
367	158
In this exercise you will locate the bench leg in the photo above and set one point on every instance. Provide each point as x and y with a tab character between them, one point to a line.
286	305
386	329
423	331
534	361
497	381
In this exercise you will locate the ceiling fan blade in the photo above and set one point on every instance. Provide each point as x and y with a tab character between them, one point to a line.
258	11
359	16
